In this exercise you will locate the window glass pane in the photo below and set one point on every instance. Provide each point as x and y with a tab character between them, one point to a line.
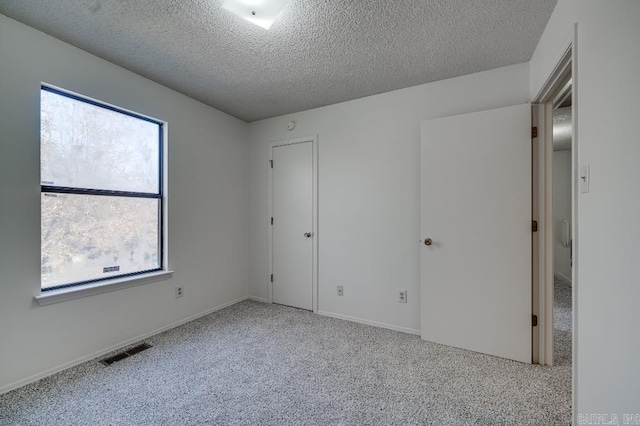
88	237
86	146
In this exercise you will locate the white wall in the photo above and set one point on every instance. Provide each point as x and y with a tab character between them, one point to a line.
369	206
208	203
561	210
607	280
369	170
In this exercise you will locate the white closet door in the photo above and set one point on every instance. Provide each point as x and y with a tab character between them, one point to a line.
292	192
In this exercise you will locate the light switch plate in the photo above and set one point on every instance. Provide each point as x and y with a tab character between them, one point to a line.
584	178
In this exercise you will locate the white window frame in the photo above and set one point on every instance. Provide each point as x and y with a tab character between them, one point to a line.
102	285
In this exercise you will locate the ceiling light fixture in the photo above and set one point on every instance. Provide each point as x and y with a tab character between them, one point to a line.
259	12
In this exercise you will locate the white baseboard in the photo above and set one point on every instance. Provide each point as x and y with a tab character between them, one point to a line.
564	277
115	347
259	299
368	322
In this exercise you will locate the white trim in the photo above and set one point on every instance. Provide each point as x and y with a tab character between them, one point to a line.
314	198
259	299
536	113
368	322
71	293
165	197
544	174
569	56
543	259
557	76
115	347
575	222
547	236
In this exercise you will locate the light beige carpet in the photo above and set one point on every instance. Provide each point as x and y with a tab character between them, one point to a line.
260	364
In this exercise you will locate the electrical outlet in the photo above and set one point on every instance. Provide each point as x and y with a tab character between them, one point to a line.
340	290
402	296
179	292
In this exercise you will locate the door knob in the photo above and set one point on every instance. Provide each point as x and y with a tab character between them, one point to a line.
428	241
307	234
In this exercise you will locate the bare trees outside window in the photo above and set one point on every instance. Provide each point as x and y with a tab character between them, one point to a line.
101	191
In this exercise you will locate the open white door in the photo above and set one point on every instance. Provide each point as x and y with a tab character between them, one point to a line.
476	212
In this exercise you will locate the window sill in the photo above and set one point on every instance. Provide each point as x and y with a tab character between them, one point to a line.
72	293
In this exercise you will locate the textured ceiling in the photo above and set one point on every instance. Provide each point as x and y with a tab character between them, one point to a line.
318	52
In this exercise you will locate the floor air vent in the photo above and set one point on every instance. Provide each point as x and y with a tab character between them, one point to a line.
125	354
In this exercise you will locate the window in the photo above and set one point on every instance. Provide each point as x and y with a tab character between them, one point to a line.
101	191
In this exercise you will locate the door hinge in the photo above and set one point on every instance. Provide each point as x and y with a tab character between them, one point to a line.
534	132
534	226
271	163
272	220
271	277
534	320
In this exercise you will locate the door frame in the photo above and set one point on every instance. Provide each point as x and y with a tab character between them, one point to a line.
314	209
542	190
